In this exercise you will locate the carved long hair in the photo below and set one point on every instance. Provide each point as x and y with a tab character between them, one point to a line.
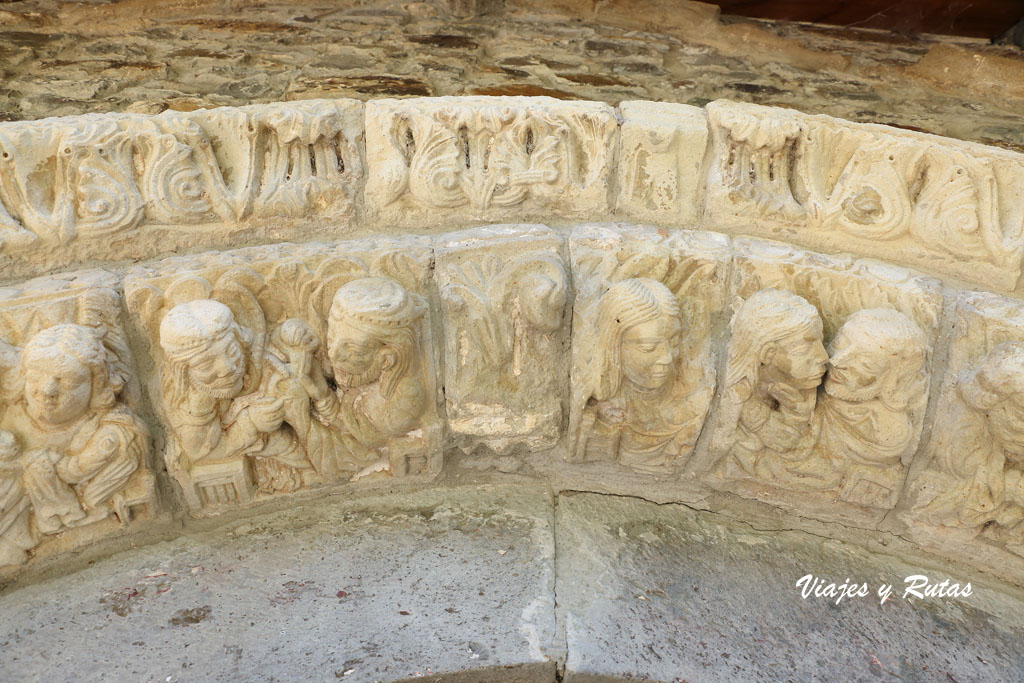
998	377
625	305
765	319
384	309
187	330
85	346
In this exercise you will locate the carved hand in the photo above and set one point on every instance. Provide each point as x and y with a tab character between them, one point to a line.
267	414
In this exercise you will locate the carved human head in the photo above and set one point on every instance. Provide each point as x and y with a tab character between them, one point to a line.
878	353
996	390
371	332
204	349
776	338
66	375
640	330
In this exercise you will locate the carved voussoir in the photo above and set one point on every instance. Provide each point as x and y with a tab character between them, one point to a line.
642	359
949	206
827	378
965	492
115	186
660	167
487	158
505	297
74	455
288	367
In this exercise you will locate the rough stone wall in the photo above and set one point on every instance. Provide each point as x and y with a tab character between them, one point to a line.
59	58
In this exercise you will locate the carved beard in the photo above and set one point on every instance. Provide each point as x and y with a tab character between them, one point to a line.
219	393
842	391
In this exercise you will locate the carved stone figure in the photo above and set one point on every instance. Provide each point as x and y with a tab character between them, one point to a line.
643	369
975	482
639	416
775	364
74	446
504	292
373	347
872	404
220	400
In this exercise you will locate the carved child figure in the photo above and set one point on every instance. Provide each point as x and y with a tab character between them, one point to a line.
639	414
80	444
776	362
875	387
976	482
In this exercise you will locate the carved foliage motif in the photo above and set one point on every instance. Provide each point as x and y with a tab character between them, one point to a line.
290	372
968	485
489	153
93	176
73	453
642	366
505	297
947	205
805	426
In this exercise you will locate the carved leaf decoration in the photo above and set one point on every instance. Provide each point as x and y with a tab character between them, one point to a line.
436	167
107	199
189	287
24	192
485	330
148	302
172	181
401	267
644	264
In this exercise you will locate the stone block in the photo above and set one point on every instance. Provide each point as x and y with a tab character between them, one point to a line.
661	161
952	207
505	300
965	492
824	432
115	186
74	453
434	160
643	369
664	593
451	585
287	367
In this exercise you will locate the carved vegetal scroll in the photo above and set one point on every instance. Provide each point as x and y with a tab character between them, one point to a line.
485	156
828	432
965	492
642	360
946	205
284	368
505	296
73	453
114	185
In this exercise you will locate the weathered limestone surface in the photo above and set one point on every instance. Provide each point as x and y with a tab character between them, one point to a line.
436	159
116	186
74	453
283	369
505	299
385	588
827	431
660	592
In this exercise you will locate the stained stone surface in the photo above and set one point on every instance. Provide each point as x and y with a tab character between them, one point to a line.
380	589
661	592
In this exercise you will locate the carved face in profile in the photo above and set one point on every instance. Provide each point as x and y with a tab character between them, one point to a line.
64	368
798	359
877	354
542	300
996	390
371	332
641	328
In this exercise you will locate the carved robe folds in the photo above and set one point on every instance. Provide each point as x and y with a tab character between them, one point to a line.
505	296
830	431
642	370
73	454
309	365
